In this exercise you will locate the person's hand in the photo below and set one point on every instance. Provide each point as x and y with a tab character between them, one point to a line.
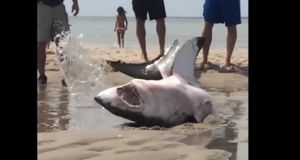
75	9
126	29
114	30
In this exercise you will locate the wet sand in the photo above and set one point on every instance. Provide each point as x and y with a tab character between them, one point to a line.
68	133
93	133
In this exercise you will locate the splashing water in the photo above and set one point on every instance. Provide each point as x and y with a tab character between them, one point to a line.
83	78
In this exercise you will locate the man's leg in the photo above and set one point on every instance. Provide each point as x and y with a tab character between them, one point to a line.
231	39
48	45
141	35
44	20
61	23
157	11
140	11
161	32
211	14
207	34
230	10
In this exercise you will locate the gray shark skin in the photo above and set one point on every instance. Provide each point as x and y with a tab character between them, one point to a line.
140	70
175	99
149	70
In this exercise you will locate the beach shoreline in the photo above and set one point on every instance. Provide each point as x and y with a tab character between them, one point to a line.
210	78
98	54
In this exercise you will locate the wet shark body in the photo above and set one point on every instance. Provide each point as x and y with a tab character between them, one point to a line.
147	70
175	99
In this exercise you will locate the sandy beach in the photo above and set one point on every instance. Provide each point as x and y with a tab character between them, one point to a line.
98	54
210	78
130	143
144	143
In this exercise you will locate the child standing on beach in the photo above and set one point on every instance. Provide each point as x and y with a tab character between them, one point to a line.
120	27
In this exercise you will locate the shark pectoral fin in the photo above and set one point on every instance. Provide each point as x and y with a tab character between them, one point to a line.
204	110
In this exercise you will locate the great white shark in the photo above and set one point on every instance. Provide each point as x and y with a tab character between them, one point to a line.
175	99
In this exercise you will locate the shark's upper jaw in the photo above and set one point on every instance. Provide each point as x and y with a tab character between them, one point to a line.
129	95
125	97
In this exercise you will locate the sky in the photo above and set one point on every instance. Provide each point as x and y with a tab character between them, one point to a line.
174	8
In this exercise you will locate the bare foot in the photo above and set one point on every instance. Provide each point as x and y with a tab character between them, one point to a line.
162	52
227	64
204	66
145	58
227	68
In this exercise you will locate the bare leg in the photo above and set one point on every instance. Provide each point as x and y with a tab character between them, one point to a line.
119	38
207	34
122	34
231	39
141	35
161	32
56	41
41	54
48	45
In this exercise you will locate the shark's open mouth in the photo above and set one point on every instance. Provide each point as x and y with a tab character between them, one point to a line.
129	95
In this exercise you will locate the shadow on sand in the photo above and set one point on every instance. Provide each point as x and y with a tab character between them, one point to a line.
236	69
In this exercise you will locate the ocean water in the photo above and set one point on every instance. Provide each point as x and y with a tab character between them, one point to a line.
100	31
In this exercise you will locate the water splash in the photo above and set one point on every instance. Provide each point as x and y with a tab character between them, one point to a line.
83	78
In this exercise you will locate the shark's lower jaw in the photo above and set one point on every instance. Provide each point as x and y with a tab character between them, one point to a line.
136	115
130	96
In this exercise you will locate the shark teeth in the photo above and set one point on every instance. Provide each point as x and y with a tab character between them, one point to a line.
128	104
136	93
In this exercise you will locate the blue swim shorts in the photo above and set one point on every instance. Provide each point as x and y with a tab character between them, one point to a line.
222	11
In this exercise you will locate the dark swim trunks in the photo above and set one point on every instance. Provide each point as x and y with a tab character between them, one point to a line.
51	3
155	9
222	11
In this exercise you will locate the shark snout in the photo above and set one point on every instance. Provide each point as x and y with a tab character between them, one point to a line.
98	100
107	96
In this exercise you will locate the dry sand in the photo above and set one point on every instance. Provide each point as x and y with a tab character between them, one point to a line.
131	143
